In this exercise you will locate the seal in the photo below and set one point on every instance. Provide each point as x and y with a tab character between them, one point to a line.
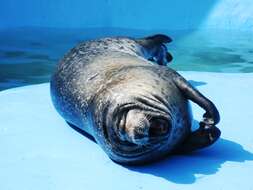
120	91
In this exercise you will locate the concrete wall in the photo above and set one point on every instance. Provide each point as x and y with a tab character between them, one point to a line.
140	14
231	14
167	14
54	13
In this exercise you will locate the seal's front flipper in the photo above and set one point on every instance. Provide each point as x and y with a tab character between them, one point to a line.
207	133
155	49
212	116
198	139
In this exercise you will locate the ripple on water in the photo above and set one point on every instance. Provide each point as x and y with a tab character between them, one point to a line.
18	54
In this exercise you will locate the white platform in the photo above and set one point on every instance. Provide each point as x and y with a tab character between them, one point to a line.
38	150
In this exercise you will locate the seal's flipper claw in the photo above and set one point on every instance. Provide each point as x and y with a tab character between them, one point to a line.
199	139
169	57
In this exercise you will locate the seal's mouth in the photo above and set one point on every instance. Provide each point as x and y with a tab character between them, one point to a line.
143	128
159	129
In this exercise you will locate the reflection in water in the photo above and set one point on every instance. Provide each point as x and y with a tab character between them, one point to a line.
9	55
13	54
21	74
29	55
219	57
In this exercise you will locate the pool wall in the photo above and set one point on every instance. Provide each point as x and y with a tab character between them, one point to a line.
141	14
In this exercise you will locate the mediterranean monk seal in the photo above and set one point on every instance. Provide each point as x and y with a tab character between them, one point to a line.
120	91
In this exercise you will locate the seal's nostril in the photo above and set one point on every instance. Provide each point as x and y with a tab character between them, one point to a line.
159	128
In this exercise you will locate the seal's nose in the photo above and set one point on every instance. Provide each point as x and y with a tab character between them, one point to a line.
137	127
141	130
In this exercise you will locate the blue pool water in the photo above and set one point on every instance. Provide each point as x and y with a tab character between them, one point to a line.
29	55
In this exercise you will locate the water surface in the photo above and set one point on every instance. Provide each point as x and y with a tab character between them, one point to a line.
29	55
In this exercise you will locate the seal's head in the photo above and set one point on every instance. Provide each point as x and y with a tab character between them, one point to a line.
142	128
139	124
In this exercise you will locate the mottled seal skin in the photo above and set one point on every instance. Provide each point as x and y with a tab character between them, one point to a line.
119	91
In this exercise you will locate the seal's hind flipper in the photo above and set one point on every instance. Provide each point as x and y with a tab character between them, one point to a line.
154	41
207	133
212	116
155	48
198	139
158	39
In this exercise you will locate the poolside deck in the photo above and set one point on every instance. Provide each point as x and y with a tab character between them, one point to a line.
38	150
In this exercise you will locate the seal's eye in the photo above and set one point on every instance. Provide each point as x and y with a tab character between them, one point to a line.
159	128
